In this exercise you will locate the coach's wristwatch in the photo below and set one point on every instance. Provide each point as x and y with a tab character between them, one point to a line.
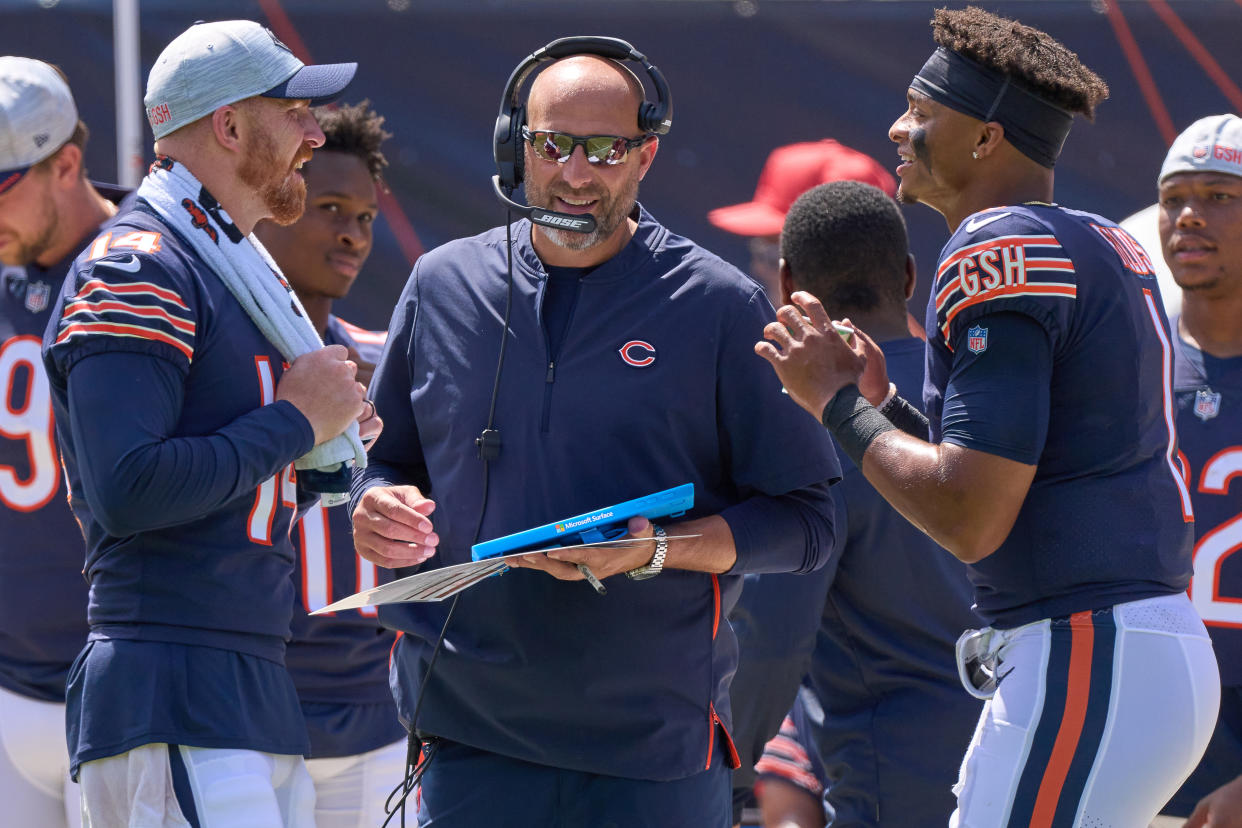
654	566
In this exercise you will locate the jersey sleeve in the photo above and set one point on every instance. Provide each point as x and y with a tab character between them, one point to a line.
1003	261
998	396
129	302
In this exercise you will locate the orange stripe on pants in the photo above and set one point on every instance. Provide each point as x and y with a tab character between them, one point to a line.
1082	637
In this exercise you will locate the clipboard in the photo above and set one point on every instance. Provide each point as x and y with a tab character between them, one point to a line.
603	527
590	527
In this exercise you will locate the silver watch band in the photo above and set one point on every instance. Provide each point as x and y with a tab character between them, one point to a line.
656	565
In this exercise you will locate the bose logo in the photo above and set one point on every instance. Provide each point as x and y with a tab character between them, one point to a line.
637	353
560	221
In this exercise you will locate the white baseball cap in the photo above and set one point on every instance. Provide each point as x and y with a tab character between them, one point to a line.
210	65
37	116
1211	144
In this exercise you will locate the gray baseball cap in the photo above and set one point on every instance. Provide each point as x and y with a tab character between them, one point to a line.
37	116
1211	144
210	65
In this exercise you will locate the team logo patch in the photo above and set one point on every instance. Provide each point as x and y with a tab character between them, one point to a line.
37	295
637	353
199	219
276	40
1207	404
977	339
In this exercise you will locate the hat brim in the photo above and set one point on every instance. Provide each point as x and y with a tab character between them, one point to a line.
320	84
749	219
10	178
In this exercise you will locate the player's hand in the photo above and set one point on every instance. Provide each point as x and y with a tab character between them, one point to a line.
809	356
321	384
369	424
392	527
603	561
1222	808
874	380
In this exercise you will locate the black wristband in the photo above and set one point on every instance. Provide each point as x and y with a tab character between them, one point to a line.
906	417
854	422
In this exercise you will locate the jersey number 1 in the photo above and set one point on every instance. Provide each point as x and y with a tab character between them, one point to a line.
263	513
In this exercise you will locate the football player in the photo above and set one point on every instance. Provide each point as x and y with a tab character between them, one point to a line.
1051	467
1200	224
339	662
48	211
180	424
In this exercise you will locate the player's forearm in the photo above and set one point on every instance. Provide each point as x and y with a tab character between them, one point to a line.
136	477
933	487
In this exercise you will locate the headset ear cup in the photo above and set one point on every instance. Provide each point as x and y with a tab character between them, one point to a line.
502	150
647	119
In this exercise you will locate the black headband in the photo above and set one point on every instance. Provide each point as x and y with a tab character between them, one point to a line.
1035	126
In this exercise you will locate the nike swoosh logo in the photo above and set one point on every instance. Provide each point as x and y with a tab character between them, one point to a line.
977	223
130	266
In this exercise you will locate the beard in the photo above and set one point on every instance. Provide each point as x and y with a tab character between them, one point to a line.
283	191
610	210
28	250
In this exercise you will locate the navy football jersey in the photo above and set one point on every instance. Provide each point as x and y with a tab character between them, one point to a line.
210	563
1107	518
1209	432
339	662
42	591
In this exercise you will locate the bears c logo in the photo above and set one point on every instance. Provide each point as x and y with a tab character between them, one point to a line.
637	353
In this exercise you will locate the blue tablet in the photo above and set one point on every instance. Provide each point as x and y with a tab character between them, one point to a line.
602	524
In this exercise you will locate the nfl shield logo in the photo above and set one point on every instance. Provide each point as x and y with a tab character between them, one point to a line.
1207	404
977	339
37	294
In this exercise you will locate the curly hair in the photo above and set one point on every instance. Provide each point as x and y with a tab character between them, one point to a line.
1030	56
845	242
356	129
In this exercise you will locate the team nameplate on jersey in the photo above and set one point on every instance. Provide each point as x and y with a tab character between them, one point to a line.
1207	404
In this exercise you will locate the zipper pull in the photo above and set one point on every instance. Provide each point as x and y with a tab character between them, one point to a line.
551	372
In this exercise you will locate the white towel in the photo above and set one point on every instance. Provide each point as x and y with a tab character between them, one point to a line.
252	276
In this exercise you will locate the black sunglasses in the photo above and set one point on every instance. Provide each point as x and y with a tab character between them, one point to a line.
599	149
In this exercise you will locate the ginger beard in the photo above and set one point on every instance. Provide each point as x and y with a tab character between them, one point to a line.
29	220
279	185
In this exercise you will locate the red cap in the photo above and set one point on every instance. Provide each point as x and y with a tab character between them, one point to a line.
788	173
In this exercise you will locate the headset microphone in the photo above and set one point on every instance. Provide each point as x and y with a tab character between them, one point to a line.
584	223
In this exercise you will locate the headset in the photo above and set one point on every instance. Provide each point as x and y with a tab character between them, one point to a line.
654	118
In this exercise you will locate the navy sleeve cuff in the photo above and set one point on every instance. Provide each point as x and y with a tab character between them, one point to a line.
792	532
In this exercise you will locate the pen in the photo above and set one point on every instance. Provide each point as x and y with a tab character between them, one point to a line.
595	583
